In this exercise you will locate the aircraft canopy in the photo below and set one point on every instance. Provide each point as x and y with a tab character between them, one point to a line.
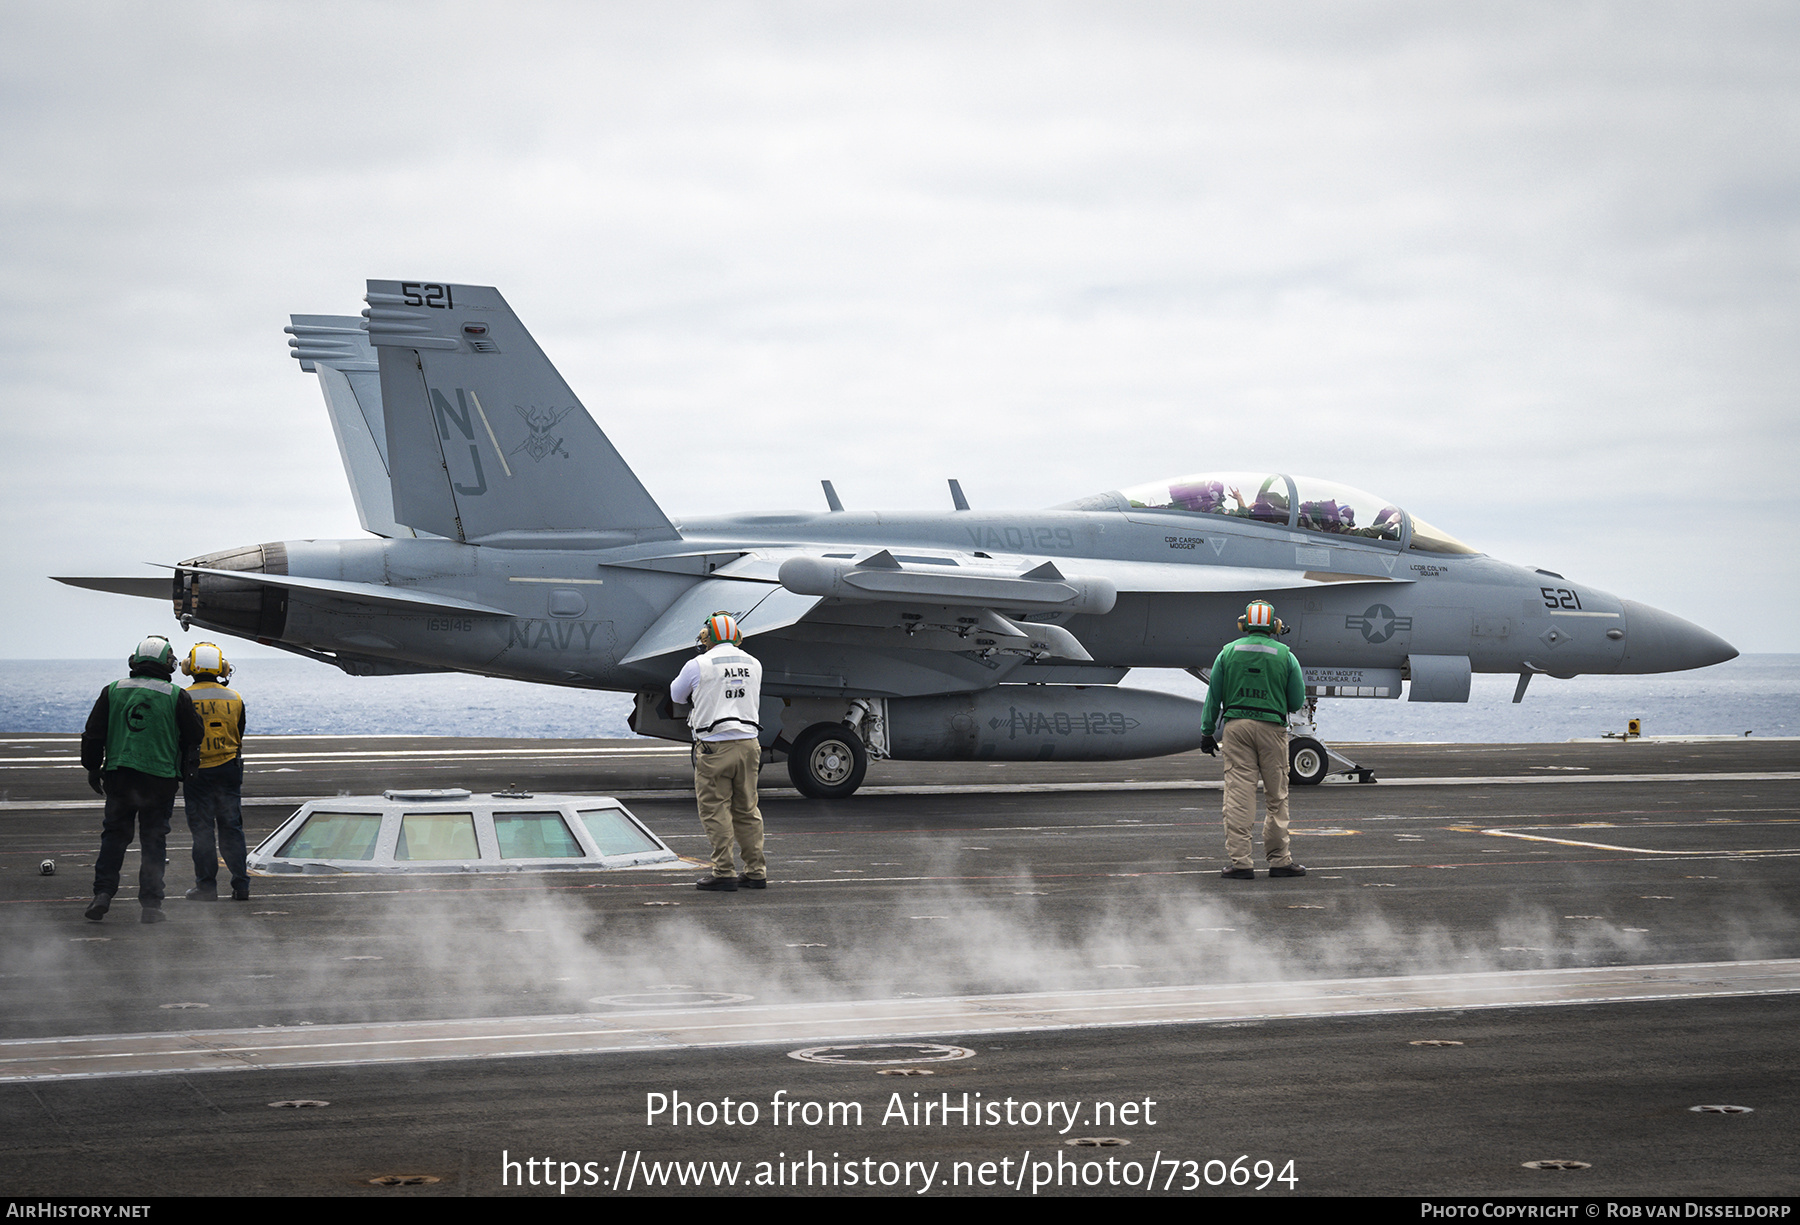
1301	502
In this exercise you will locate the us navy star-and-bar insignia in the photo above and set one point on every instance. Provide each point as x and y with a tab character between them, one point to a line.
1378	623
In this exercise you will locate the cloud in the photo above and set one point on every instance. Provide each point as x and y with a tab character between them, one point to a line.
1525	270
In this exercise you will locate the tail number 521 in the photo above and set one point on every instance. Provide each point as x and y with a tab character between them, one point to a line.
418	294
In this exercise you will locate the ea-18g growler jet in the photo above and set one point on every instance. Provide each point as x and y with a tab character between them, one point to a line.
511	539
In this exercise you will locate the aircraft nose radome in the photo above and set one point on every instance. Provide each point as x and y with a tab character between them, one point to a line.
1656	641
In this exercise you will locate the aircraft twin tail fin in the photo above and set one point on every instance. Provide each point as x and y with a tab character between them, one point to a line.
484	437
337	349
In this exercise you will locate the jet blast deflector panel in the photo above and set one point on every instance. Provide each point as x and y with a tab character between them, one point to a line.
454	830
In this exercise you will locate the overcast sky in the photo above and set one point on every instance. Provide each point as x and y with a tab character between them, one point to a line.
1527	270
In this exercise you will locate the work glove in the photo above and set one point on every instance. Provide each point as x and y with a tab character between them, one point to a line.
95	782
1209	746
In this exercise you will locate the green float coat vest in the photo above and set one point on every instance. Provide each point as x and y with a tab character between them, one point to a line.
1253	678
141	730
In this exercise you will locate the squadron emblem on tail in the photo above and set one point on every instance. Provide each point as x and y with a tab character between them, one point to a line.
539	443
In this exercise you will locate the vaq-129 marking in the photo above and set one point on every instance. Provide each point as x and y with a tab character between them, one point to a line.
512	540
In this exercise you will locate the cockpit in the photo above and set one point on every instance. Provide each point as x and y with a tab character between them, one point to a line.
1302	503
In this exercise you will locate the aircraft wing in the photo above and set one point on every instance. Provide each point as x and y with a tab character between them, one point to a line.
951	601
758	607
968	577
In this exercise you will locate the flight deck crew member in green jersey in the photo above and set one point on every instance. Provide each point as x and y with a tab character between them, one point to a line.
142	738
1255	683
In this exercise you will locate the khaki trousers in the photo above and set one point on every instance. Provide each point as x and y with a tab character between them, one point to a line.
1254	749
725	789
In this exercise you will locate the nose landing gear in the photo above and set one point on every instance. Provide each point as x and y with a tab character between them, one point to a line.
1310	762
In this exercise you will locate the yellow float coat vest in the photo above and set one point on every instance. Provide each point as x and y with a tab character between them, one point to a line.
222	715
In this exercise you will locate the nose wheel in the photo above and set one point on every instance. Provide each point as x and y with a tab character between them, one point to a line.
1308	762
828	761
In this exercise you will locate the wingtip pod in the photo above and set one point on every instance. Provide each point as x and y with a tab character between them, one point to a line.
485	440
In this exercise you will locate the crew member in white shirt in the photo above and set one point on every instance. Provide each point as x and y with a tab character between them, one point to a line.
724	683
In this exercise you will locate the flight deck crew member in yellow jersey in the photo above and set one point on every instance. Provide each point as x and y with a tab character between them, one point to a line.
724	683
214	796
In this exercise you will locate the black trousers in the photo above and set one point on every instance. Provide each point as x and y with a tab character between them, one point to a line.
143	801
213	800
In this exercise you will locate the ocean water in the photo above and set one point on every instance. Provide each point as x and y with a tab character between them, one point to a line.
1758	694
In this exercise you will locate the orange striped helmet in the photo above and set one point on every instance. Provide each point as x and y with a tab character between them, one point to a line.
1259	618
720	627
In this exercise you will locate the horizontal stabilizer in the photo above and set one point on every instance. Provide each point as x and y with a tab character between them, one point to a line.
407	598
484	437
154	587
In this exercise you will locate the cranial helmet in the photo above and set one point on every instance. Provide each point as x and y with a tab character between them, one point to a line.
1259	618
206	659
720	627
154	651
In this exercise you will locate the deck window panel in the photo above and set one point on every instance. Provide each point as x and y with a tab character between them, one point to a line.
334	835
615	833
534	835
437	836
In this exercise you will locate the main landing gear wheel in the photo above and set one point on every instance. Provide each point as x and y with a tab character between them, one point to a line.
1308	763
828	761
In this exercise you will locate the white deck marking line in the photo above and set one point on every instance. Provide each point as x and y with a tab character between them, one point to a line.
258	757
91	1056
1176	784
1509	780
1015	788
1634	850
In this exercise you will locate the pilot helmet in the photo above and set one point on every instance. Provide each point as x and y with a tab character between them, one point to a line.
1259	618
720	627
154	652
206	660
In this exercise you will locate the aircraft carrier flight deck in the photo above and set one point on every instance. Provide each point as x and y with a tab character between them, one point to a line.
1501	954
